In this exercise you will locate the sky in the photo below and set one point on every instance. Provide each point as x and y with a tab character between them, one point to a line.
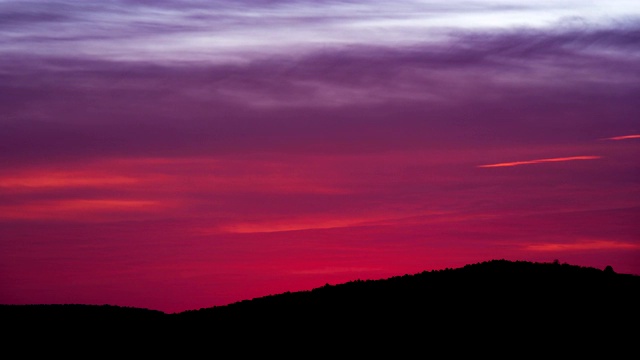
178	155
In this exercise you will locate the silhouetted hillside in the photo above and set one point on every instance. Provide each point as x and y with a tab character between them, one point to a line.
520	302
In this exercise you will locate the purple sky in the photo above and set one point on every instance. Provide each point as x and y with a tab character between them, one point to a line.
179	155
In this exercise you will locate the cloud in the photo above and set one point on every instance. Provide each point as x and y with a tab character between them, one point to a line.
539	161
48	179
80	209
624	137
238	31
502	87
335	270
584	245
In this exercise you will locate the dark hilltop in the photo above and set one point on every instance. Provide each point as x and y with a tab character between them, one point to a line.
518	302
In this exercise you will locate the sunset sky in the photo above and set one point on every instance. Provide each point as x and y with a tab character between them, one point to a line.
176	155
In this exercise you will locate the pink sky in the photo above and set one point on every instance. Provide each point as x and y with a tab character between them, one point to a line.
175	156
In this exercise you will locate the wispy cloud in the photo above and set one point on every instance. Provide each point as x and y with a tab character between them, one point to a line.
64	179
539	161
220	32
79	209
341	220
335	270
624	137
584	245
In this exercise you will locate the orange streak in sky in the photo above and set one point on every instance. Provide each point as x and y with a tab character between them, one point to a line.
88	205
64	180
624	137
337	221
538	161
74	209
587	245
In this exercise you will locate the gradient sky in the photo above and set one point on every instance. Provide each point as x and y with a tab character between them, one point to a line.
175	155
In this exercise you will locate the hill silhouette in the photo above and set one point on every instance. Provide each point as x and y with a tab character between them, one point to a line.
519	302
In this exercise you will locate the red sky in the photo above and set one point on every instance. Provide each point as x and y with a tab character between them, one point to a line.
179	156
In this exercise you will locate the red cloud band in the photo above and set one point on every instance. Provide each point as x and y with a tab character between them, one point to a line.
538	161
624	137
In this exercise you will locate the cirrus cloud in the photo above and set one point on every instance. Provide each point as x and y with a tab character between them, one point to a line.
540	161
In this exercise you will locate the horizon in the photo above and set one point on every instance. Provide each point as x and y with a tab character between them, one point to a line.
554	262
183	155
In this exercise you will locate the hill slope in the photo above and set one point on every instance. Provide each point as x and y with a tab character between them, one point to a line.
512	294
515	301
